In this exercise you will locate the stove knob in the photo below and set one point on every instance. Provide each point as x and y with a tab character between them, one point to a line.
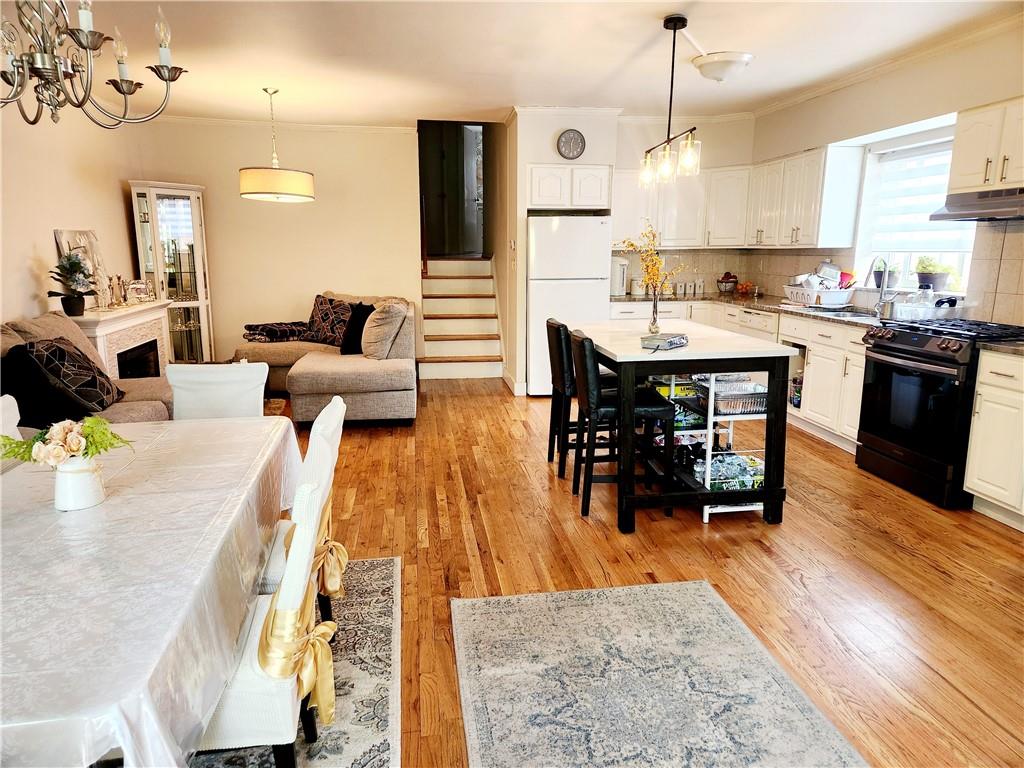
890	334
943	343
956	346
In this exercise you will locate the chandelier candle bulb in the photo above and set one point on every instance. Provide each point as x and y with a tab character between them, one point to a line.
85	15
121	54
163	37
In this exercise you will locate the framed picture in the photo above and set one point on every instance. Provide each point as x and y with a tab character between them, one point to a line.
88	246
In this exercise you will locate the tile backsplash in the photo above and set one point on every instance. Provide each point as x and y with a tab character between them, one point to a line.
996	283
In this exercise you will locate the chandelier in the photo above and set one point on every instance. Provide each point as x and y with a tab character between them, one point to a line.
668	163
60	59
273	183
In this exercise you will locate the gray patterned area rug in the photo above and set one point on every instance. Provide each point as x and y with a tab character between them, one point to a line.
653	675
366	732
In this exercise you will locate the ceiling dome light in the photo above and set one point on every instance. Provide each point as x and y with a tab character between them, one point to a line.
275	184
722	65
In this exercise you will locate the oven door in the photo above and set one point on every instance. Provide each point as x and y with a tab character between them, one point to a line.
915	410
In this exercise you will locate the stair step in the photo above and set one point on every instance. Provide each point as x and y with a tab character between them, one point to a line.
460	359
458	268
456	257
454	371
456	277
462	337
460	316
461	325
458	296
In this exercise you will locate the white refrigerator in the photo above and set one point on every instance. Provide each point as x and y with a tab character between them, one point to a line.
568	270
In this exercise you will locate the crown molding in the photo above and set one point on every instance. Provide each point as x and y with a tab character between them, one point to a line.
541	110
660	119
951	42
324	127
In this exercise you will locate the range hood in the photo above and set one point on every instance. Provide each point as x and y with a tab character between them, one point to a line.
988	205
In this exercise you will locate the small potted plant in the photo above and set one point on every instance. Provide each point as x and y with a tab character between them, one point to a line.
70	448
930	270
894	275
654	275
76	279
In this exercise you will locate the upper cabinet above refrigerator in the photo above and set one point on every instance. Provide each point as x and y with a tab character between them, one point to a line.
556	186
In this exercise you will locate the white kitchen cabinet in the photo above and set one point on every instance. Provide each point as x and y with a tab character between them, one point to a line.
682	206
569	186
706	312
727	207
764	204
760	325
850	396
590	186
987	148
996	452
632	207
823	380
1011	151
550	186
818	203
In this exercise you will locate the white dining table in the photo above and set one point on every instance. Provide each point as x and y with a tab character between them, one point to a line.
120	622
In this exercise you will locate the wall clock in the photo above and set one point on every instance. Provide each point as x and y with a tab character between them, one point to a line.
571	144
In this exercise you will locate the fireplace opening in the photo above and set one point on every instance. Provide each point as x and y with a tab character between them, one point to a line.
139	362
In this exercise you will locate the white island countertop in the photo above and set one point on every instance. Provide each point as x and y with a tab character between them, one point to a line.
620	341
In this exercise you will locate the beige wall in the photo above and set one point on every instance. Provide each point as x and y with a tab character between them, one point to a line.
979	69
266	260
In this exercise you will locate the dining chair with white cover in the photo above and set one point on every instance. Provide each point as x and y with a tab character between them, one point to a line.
9	417
285	666
217	391
330	557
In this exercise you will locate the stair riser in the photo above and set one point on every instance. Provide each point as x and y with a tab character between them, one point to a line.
468	347
475	325
457	306
460	370
458	286
481	267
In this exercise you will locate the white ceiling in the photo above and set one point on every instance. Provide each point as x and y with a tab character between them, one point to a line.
384	63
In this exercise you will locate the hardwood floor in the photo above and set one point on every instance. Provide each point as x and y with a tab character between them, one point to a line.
903	622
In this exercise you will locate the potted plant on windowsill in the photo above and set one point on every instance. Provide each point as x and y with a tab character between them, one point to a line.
76	279
894	275
931	270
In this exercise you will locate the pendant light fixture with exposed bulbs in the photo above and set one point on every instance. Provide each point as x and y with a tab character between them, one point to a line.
661	163
275	184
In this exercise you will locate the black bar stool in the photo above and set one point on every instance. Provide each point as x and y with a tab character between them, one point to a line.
563	388
601	408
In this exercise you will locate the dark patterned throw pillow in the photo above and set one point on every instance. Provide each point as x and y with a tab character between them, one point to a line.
72	371
327	321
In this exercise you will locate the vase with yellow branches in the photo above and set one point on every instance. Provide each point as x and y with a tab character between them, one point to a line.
652	265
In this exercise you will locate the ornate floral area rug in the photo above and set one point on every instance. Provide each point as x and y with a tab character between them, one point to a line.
653	675
366	732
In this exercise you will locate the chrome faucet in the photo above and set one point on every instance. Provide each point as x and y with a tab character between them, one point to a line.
884	306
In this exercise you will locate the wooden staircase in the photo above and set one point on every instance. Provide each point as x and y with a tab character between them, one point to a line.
460	321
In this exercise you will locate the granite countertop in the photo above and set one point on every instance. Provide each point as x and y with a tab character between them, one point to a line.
764	303
1005	347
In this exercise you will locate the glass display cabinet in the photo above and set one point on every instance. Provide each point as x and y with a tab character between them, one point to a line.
171	246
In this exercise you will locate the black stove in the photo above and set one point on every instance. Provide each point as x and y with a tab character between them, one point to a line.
918	400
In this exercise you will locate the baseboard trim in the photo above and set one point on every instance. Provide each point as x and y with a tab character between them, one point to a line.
999	513
517	389
850	446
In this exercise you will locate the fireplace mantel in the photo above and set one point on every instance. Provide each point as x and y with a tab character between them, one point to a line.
115	330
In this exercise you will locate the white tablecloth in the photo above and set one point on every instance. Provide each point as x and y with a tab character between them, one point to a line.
120	621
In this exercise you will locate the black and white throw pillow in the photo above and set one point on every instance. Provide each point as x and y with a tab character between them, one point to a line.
327	321
71	370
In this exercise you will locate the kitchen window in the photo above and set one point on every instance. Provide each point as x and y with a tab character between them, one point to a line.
902	187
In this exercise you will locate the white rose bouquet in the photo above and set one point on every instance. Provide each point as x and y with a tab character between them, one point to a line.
64	440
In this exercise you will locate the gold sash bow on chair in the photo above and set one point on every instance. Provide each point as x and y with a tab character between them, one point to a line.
293	645
330	557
